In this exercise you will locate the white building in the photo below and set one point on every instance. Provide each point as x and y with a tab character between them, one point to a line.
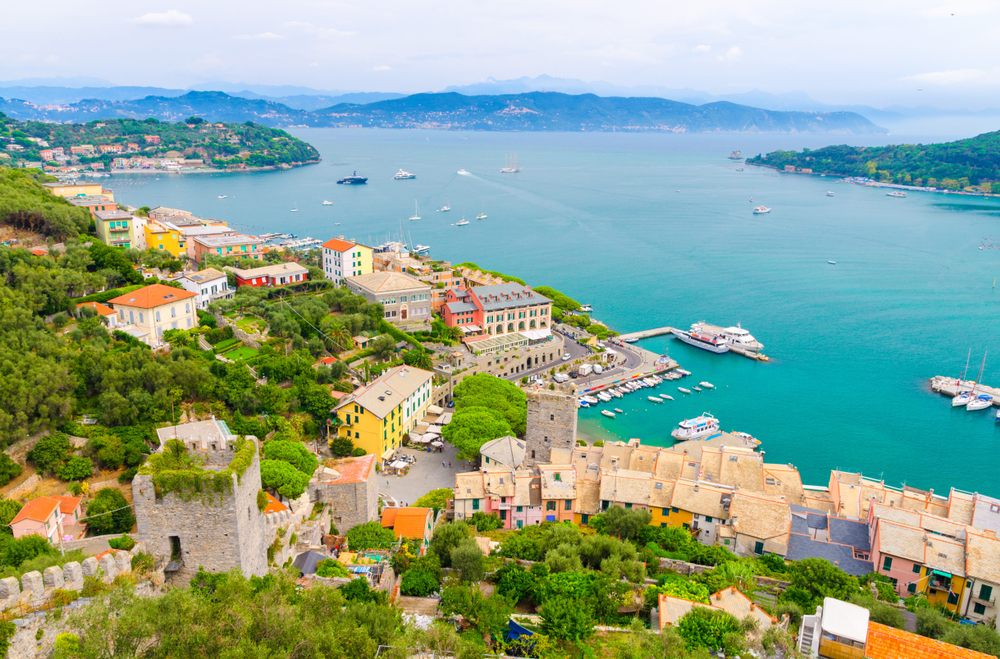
209	285
345	258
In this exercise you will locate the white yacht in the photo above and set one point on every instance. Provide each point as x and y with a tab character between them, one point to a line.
829	193
707	385
702	340
895	193
328	203
603	397
734	337
444	209
416	212
589	399
761	210
962	399
980	402
421	249
654	399
462	222
701	426
608	414
222	196
400	175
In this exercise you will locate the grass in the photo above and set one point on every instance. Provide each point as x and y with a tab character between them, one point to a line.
243	353
250	324
228	344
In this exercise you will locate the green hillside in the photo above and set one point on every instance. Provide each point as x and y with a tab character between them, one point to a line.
951	165
25	204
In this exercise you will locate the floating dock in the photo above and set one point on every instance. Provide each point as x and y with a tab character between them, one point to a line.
951	387
660	331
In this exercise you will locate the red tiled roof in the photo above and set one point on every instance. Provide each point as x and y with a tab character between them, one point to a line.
37	510
338	245
355	471
67	504
152	296
411	522
328	360
337	394
274	506
39	252
389	517
889	643
99	308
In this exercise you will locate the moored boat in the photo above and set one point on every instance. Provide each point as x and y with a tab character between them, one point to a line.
666	397
683	390
895	193
961	400
608	414
400	175
618	411
696	388
980	402
654	399
761	210
702	340
353	179
701	426
589	399
707	385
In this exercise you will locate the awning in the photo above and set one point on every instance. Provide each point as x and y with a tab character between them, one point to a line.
434	428
444	419
942	574
398	464
537	334
388	454
434	409
436	444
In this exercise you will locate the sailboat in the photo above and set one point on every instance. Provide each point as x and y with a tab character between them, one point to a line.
416	211
982	401
510	166
445	208
482	216
296	209
462	222
962	398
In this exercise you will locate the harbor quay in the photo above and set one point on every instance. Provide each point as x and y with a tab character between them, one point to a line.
953	386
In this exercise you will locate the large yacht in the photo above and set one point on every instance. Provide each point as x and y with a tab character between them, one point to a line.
895	193
702	426
736	337
400	175
353	179
761	210
705	341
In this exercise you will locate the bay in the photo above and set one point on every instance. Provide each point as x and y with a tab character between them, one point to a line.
656	230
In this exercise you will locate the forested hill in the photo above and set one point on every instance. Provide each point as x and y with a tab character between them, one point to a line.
951	165
535	111
550	111
223	144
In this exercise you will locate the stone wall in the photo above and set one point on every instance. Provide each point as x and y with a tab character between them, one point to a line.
295	523
25	488
350	504
551	424
218	532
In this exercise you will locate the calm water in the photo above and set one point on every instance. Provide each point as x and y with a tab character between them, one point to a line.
656	230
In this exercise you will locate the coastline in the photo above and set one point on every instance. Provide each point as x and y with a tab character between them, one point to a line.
215	170
868	183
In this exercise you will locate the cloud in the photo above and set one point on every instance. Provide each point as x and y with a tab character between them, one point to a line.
170	18
382	68
264	36
321	32
702	48
732	54
946	77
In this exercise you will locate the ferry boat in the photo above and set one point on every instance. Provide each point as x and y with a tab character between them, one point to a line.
735	337
608	414
708	342
760	210
353	179
895	193
695	428
401	175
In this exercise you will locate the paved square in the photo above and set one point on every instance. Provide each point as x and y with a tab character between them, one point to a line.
425	474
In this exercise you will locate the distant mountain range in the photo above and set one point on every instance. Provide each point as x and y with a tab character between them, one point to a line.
547	111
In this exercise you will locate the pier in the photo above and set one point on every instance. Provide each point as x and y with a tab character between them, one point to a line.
952	386
660	331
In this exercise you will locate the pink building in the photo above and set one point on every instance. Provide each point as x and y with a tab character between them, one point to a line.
558	487
39	516
898	553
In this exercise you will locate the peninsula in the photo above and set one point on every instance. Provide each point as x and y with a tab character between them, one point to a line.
971	164
134	144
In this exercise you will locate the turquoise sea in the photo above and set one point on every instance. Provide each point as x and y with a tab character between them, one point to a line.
657	230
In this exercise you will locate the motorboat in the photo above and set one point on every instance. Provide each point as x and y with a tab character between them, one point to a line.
832	262
416	212
696	388
327	203
648	382
421	249
353	179
747	438
895	193
618	411
654	399
761	210
615	393
980	402
961	400
589	399
683	372
608	414
735	337
463	172
707	385
703	340
401	175
444	209
222	196
829	193
701	426
666	397
603	397
683	390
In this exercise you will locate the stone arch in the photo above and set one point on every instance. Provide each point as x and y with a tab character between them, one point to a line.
500	329
532	324
544	325
520	326
489	329
510	327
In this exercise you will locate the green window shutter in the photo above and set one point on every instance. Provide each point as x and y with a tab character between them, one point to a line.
475	504
916	568
758	548
986	593
952	598
887	563
707	518
912	588
520	509
569	504
979	609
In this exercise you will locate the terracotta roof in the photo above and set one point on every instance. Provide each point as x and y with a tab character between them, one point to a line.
889	643
274	506
99	308
352	470
67	504
152	296
469	485
328	360
37	510
672	609
412	522
339	245
740	606
388	519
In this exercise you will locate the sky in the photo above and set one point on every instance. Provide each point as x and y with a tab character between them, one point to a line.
882	52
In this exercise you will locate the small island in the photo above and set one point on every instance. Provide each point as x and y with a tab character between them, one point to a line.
971	165
150	144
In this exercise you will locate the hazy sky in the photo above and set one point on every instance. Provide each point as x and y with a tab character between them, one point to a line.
877	52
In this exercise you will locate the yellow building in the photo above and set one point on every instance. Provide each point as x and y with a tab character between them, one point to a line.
78	189
378	416
149	312
162	237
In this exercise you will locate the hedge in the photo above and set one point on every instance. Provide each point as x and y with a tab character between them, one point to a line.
108	295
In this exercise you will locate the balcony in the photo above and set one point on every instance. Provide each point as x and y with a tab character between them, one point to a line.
118	229
988	602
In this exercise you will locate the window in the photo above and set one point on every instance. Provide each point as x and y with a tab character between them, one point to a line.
707	518
912	588
503	515
173	312
157	315
986	593
141	317
887	563
952	598
628	506
568	505
674	509
979	609
558	476
475	504
605	504
758	548
520	509
916	568
551	505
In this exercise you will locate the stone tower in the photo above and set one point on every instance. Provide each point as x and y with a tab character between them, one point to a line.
551	424
219	531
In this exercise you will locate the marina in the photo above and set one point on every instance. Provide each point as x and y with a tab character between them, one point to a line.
954	387
742	343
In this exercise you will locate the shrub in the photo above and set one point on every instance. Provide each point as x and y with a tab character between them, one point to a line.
418	583
370	535
294	453
62	597
331	568
358	590
468	560
358	452
342	447
793	610
9	470
125	543
50	452
446	538
931	623
143	562
21	550
76	469
435	499
486	521
711	629
109	512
